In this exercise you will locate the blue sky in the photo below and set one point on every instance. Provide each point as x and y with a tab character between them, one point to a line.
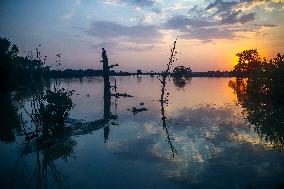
138	33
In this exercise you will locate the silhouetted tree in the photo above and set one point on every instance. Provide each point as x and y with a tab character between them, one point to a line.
181	71
262	96
17	71
8	52
249	61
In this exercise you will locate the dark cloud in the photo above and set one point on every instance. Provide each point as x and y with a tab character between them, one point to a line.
208	34
219	20
237	17
130	38
230	12
108	29
222	6
195	28
182	22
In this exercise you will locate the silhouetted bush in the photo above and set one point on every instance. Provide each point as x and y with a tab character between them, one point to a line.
54	106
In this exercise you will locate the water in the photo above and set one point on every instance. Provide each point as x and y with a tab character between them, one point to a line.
204	141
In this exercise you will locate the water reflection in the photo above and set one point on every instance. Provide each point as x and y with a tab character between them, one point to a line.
200	126
164	102
43	171
9	119
263	107
181	82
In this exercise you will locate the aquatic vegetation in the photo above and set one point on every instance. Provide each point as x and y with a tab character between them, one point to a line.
54	108
50	108
49	111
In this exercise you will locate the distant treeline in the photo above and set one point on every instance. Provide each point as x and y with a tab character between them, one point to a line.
84	73
91	72
18	71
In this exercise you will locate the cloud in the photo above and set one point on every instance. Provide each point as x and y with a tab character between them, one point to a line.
130	38
111	44
237	17
138	3
69	15
266	25
232	12
182	22
221	6
109	29
78	2
194	28
208	34
218	20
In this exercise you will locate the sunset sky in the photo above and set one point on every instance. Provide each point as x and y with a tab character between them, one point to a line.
137	34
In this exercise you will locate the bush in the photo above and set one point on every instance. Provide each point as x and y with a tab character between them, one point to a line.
54	107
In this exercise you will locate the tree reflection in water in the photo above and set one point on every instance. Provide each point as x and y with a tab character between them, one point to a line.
9	119
181	82
263	103
46	139
45	155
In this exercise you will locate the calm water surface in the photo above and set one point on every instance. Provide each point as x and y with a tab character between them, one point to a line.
203	142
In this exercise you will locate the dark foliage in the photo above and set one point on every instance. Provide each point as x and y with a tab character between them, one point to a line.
181	71
262	96
249	61
181	82
17	71
53	108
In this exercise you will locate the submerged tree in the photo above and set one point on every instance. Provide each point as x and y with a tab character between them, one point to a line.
164	98
49	110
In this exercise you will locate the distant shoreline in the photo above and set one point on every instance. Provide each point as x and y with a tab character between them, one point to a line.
85	73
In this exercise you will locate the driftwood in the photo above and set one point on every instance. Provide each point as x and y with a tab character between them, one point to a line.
117	95
135	110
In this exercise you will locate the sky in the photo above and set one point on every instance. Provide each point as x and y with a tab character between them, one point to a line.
138	34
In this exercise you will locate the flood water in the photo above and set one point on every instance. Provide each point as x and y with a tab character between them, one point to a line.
200	139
